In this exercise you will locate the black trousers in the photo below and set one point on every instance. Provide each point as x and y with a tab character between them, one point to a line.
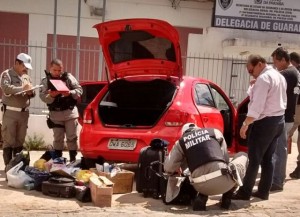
262	141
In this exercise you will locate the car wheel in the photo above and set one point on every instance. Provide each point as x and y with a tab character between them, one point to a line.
87	163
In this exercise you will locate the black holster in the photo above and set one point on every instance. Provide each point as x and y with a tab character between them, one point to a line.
51	124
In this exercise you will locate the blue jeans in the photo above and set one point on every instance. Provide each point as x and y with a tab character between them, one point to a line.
262	141
280	157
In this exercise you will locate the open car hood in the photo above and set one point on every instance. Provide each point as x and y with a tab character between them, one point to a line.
140	47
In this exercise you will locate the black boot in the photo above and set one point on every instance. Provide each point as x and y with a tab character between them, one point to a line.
58	153
7	155
296	173
17	150
200	202
72	154
226	198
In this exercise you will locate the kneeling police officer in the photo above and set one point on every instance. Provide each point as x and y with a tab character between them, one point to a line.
204	151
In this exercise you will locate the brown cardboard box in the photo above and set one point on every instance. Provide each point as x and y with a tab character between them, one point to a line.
101	191
123	180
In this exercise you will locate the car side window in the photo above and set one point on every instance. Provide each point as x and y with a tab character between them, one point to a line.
219	100
203	95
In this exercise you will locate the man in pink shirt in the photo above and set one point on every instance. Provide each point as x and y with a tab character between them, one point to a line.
263	126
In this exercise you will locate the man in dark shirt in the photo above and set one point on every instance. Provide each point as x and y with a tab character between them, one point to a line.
281	60
295	60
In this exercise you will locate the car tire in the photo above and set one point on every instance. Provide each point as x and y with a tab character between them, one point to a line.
87	163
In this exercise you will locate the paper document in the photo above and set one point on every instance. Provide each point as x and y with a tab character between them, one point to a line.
59	85
33	88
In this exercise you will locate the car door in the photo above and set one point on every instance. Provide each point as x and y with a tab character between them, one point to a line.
90	90
229	115
210	115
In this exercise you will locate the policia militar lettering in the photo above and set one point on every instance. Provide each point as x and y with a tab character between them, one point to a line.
63	113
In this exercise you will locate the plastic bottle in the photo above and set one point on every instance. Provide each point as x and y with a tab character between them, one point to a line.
106	167
29	186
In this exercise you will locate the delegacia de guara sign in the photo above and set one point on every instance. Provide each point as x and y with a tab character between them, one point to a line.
260	15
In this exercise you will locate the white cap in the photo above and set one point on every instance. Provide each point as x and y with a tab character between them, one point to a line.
187	126
26	59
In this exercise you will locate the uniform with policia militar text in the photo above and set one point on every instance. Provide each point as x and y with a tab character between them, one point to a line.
63	113
204	151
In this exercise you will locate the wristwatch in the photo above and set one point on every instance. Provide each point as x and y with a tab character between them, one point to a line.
245	124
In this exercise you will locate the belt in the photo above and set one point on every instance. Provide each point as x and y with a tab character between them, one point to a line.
16	108
210	176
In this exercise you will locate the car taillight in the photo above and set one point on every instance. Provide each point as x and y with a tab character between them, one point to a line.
88	116
175	118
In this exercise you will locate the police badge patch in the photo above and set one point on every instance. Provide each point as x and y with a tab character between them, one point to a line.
225	4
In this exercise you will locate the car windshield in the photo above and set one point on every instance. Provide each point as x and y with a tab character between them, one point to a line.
133	45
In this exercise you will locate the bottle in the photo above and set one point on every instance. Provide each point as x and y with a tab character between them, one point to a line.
106	167
29	186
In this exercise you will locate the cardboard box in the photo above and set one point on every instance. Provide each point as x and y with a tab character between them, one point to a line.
101	191
123	180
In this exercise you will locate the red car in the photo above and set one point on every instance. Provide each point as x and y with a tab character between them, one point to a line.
146	95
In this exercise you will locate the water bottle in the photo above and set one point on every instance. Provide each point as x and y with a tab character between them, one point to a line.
106	167
29	186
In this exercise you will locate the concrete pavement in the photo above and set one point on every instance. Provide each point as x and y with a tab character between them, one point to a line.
19	202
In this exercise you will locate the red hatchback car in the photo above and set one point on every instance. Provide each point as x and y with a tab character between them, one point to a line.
146	95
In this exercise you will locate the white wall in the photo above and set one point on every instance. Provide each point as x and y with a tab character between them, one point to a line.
37	126
230	42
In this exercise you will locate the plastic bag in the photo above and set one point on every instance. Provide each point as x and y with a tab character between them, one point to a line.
38	176
17	178
83	175
40	164
23	156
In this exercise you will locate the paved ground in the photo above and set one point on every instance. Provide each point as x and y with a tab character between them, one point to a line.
16	202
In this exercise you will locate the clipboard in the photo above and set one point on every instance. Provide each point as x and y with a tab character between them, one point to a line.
33	88
59	85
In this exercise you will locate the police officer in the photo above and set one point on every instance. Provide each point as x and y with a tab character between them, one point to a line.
63	112
205	153
15	105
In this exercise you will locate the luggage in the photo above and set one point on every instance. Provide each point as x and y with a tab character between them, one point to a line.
83	193
150	163
59	187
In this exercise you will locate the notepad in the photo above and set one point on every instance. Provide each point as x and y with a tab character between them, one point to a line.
59	85
33	88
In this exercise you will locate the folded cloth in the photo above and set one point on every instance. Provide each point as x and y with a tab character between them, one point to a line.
173	187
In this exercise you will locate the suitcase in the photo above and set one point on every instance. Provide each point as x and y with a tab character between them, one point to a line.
150	163
59	187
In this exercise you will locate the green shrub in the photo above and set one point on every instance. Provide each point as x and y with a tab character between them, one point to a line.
36	142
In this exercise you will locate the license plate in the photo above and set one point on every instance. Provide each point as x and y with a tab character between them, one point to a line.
122	144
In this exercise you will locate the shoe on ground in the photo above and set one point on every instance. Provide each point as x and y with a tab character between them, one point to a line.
200	203
276	188
260	195
240	196
295	174
225	203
